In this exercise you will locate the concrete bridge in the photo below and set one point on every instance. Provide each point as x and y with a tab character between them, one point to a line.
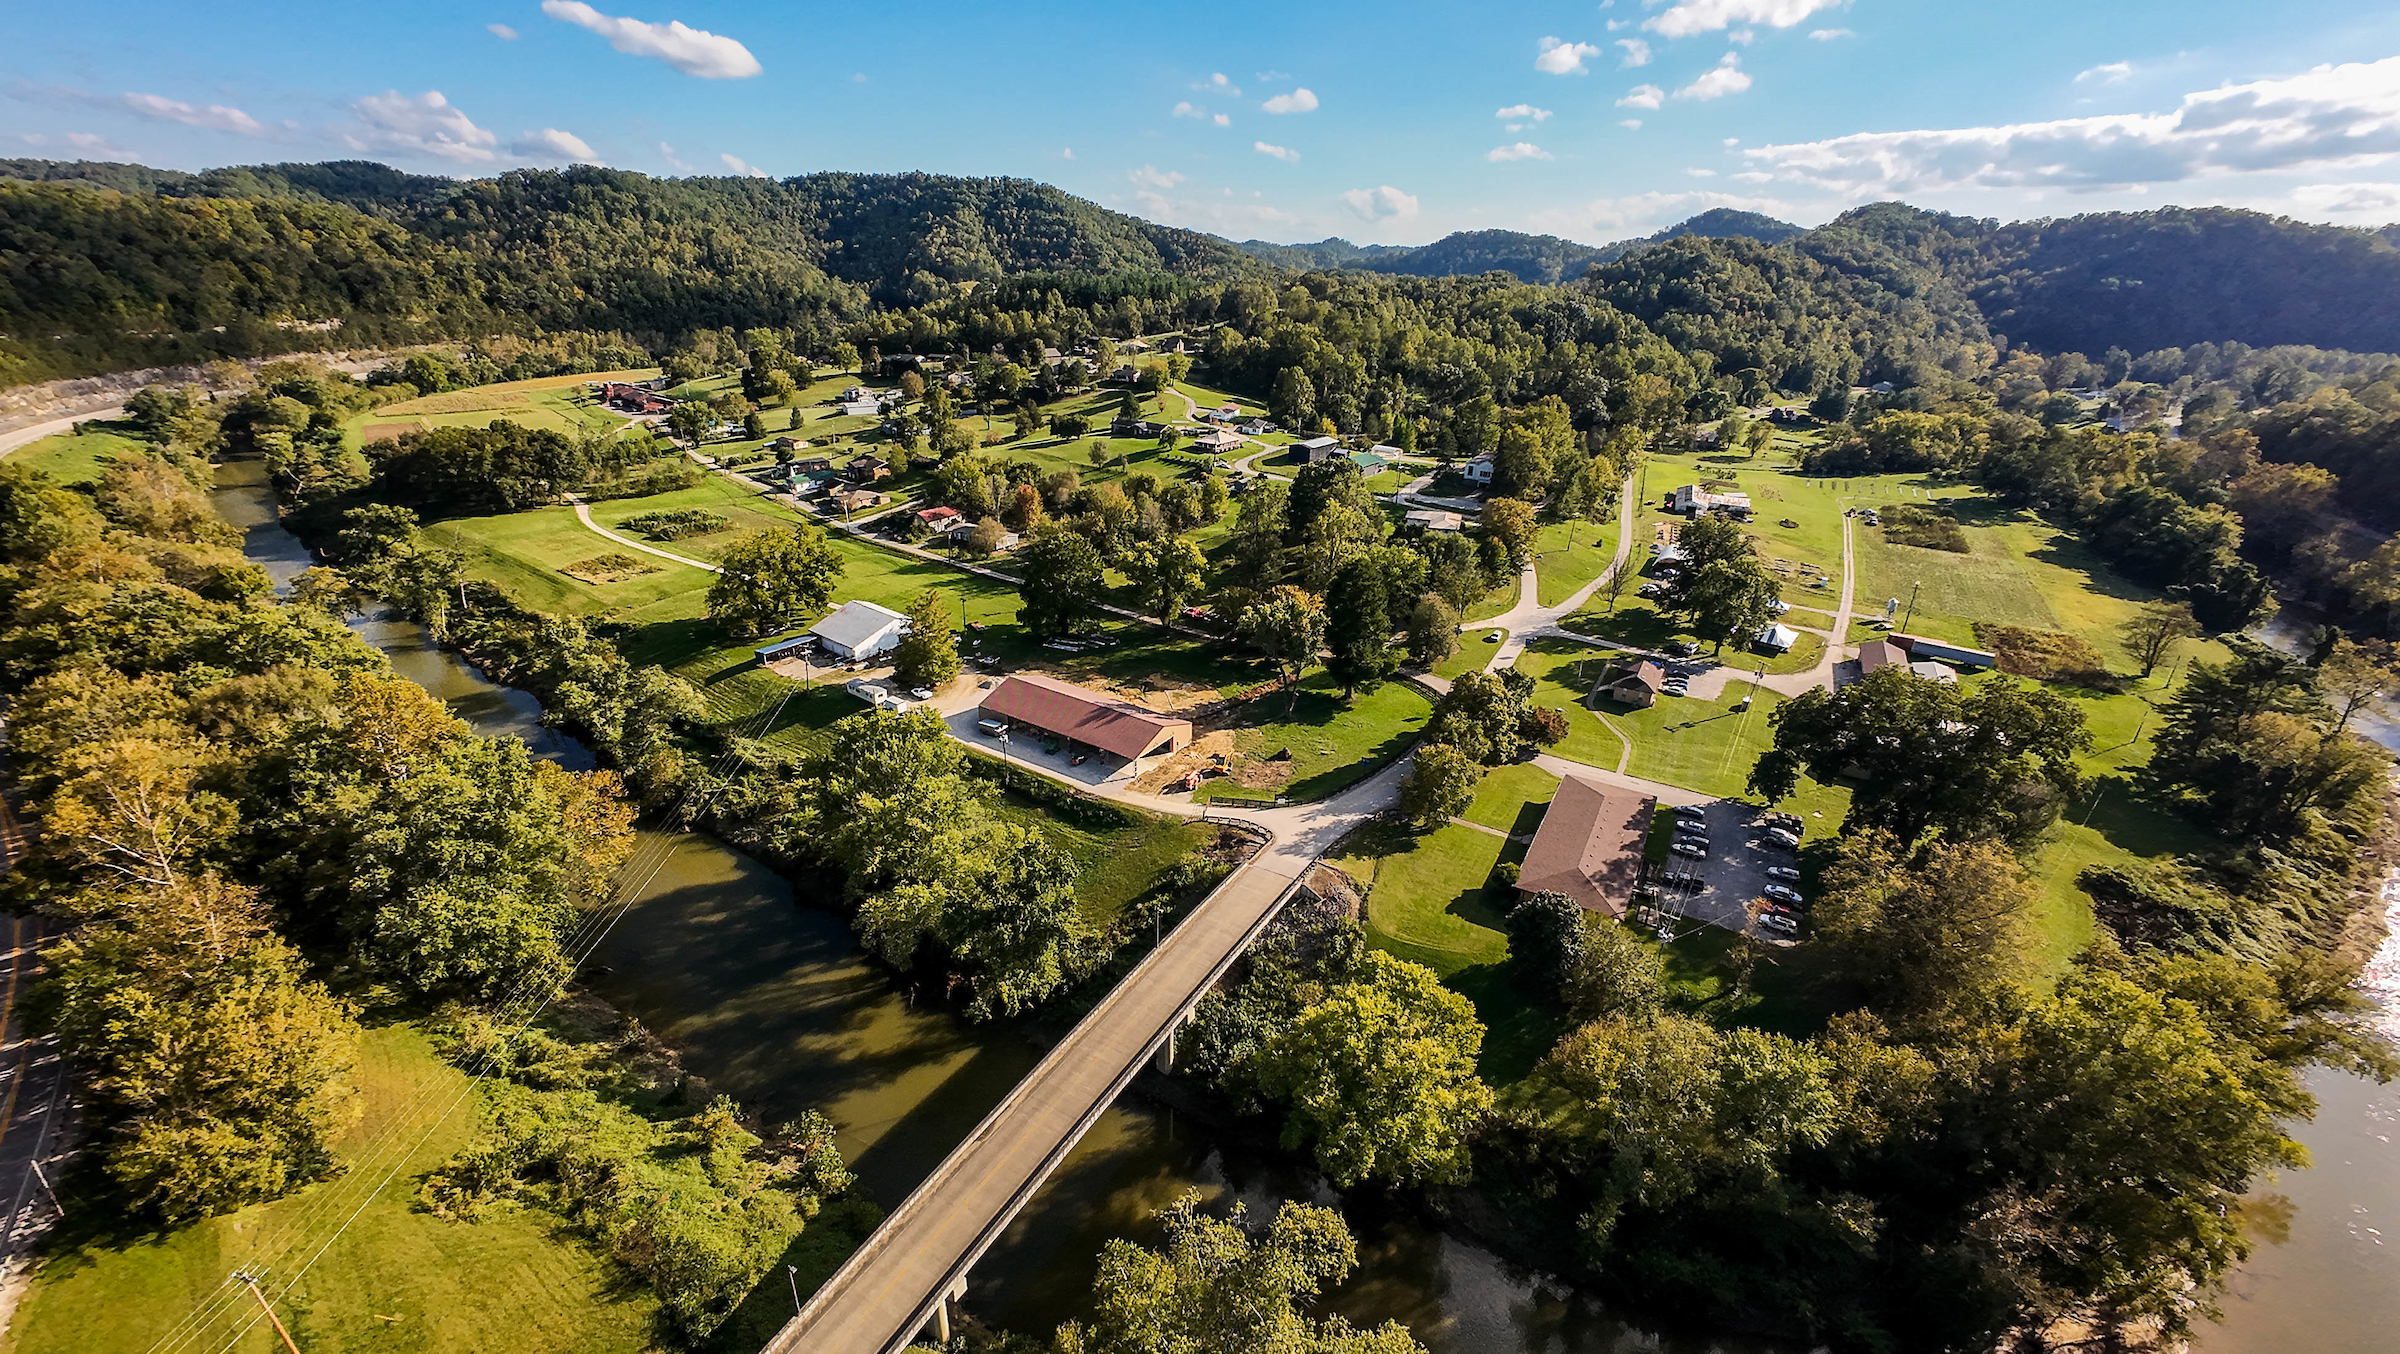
915	1267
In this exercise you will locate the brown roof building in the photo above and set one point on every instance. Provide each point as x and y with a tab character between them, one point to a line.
1086	716
1634	684
1879	653
1589	846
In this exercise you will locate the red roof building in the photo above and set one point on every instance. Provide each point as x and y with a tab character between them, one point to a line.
1086	716
1589	846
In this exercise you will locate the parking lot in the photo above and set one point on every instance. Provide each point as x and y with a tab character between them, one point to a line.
1734	873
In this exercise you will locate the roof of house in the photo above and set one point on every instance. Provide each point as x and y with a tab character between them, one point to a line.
1779	636
937	514
1589	846
1315	442
1082	714
1435	519
1368	461
1879	653
854	623
1646	672
1932	671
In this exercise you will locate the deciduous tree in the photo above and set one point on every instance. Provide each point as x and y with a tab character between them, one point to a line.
1440	785
770	578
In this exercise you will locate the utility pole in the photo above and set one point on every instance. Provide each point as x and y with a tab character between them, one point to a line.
1912	603
795	1273
246	1277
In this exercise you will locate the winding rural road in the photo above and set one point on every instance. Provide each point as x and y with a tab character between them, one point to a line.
583	514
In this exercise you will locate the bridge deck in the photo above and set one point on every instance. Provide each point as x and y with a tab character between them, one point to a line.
884	1294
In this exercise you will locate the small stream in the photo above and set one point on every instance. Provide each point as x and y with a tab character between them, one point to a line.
773	1002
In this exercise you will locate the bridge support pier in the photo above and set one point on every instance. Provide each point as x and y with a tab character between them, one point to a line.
941	1312
1166	1046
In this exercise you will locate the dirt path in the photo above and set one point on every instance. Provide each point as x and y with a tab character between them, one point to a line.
583	514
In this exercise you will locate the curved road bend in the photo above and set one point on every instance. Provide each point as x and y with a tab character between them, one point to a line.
886	1292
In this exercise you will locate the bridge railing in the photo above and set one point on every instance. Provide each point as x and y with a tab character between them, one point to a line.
786	1340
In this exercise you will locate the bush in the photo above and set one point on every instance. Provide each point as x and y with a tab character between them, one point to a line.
1923	526
2047	656
674	526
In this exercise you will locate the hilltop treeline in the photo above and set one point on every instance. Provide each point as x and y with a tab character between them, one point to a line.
109	266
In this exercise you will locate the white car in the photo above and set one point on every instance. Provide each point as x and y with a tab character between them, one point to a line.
1783	872
1776	921
921	693
1688	849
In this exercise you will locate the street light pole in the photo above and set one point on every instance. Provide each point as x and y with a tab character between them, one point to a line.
1912	603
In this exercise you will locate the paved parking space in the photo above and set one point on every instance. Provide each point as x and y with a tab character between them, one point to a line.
1734	873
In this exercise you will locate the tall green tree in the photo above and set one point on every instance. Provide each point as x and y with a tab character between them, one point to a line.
1440	785
1061	582
1167	572
1380	1075
769	579
1359	627
1289	627
928	654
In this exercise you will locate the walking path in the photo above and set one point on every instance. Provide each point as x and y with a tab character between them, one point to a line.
583	514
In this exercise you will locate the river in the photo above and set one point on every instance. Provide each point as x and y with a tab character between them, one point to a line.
773	1002
2326	1275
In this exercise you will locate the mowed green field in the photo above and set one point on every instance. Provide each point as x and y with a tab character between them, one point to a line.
75	458
558	403
394	1280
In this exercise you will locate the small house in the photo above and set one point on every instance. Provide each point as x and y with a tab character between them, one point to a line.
859	629
1634	684
941	519
1589	846
849	501
1369	463
868	469
809	465
1778	637
1217	439
1479	470
1316	449
1434	519
1956	655
1692	500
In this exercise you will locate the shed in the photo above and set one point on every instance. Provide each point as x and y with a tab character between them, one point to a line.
859	629
1435	519
1779	637
1116	727
1369	463
1318	448
1589	846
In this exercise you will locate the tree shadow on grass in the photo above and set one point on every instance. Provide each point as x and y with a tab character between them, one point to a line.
1517	1032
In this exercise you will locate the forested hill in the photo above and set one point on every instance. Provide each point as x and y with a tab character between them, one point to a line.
106	266
2143	281
1544	260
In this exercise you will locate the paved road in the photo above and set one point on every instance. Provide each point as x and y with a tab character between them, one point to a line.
10	441
886	1292
36	1112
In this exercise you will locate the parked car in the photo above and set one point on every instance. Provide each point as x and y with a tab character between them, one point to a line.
1683	648
1650	590
1789	822
1782	894
1688	849
1778	910
1783	872
1692	811
922	693
1779	837
1780	924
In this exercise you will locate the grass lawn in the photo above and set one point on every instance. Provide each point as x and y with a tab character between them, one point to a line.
1330	744
1559	569
517	1281
1113	867
1512	798
76	458
1475	649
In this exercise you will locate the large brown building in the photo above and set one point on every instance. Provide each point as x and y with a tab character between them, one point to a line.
1082	715
1589	846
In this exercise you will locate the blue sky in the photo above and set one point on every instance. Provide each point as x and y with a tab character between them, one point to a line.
1393	122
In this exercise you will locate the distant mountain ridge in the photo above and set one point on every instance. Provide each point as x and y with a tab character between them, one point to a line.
1543	260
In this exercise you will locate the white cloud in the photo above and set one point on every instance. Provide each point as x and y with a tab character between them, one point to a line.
1829	34
1631	124
1733	141
1563	58
1701	173
1637	52
1726	77
1151	176
858	77
1301	100
1222	120
1525	111
668	153
552	144
2380	200
1523	150
1742	37
693	51
1643	96
1608	217
1753	176
93	143
425	125
1270	77
2327	115
739	166
1283	153
216	117
1708	16
502	32
1066	152
2111	73
1185	108
1218	84
1385	203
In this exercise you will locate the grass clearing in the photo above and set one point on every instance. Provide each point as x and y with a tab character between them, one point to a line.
77	458
561	404
395	1279
1317	743
1570	555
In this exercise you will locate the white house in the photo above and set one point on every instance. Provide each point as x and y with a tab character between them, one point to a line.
859	629
1478	471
